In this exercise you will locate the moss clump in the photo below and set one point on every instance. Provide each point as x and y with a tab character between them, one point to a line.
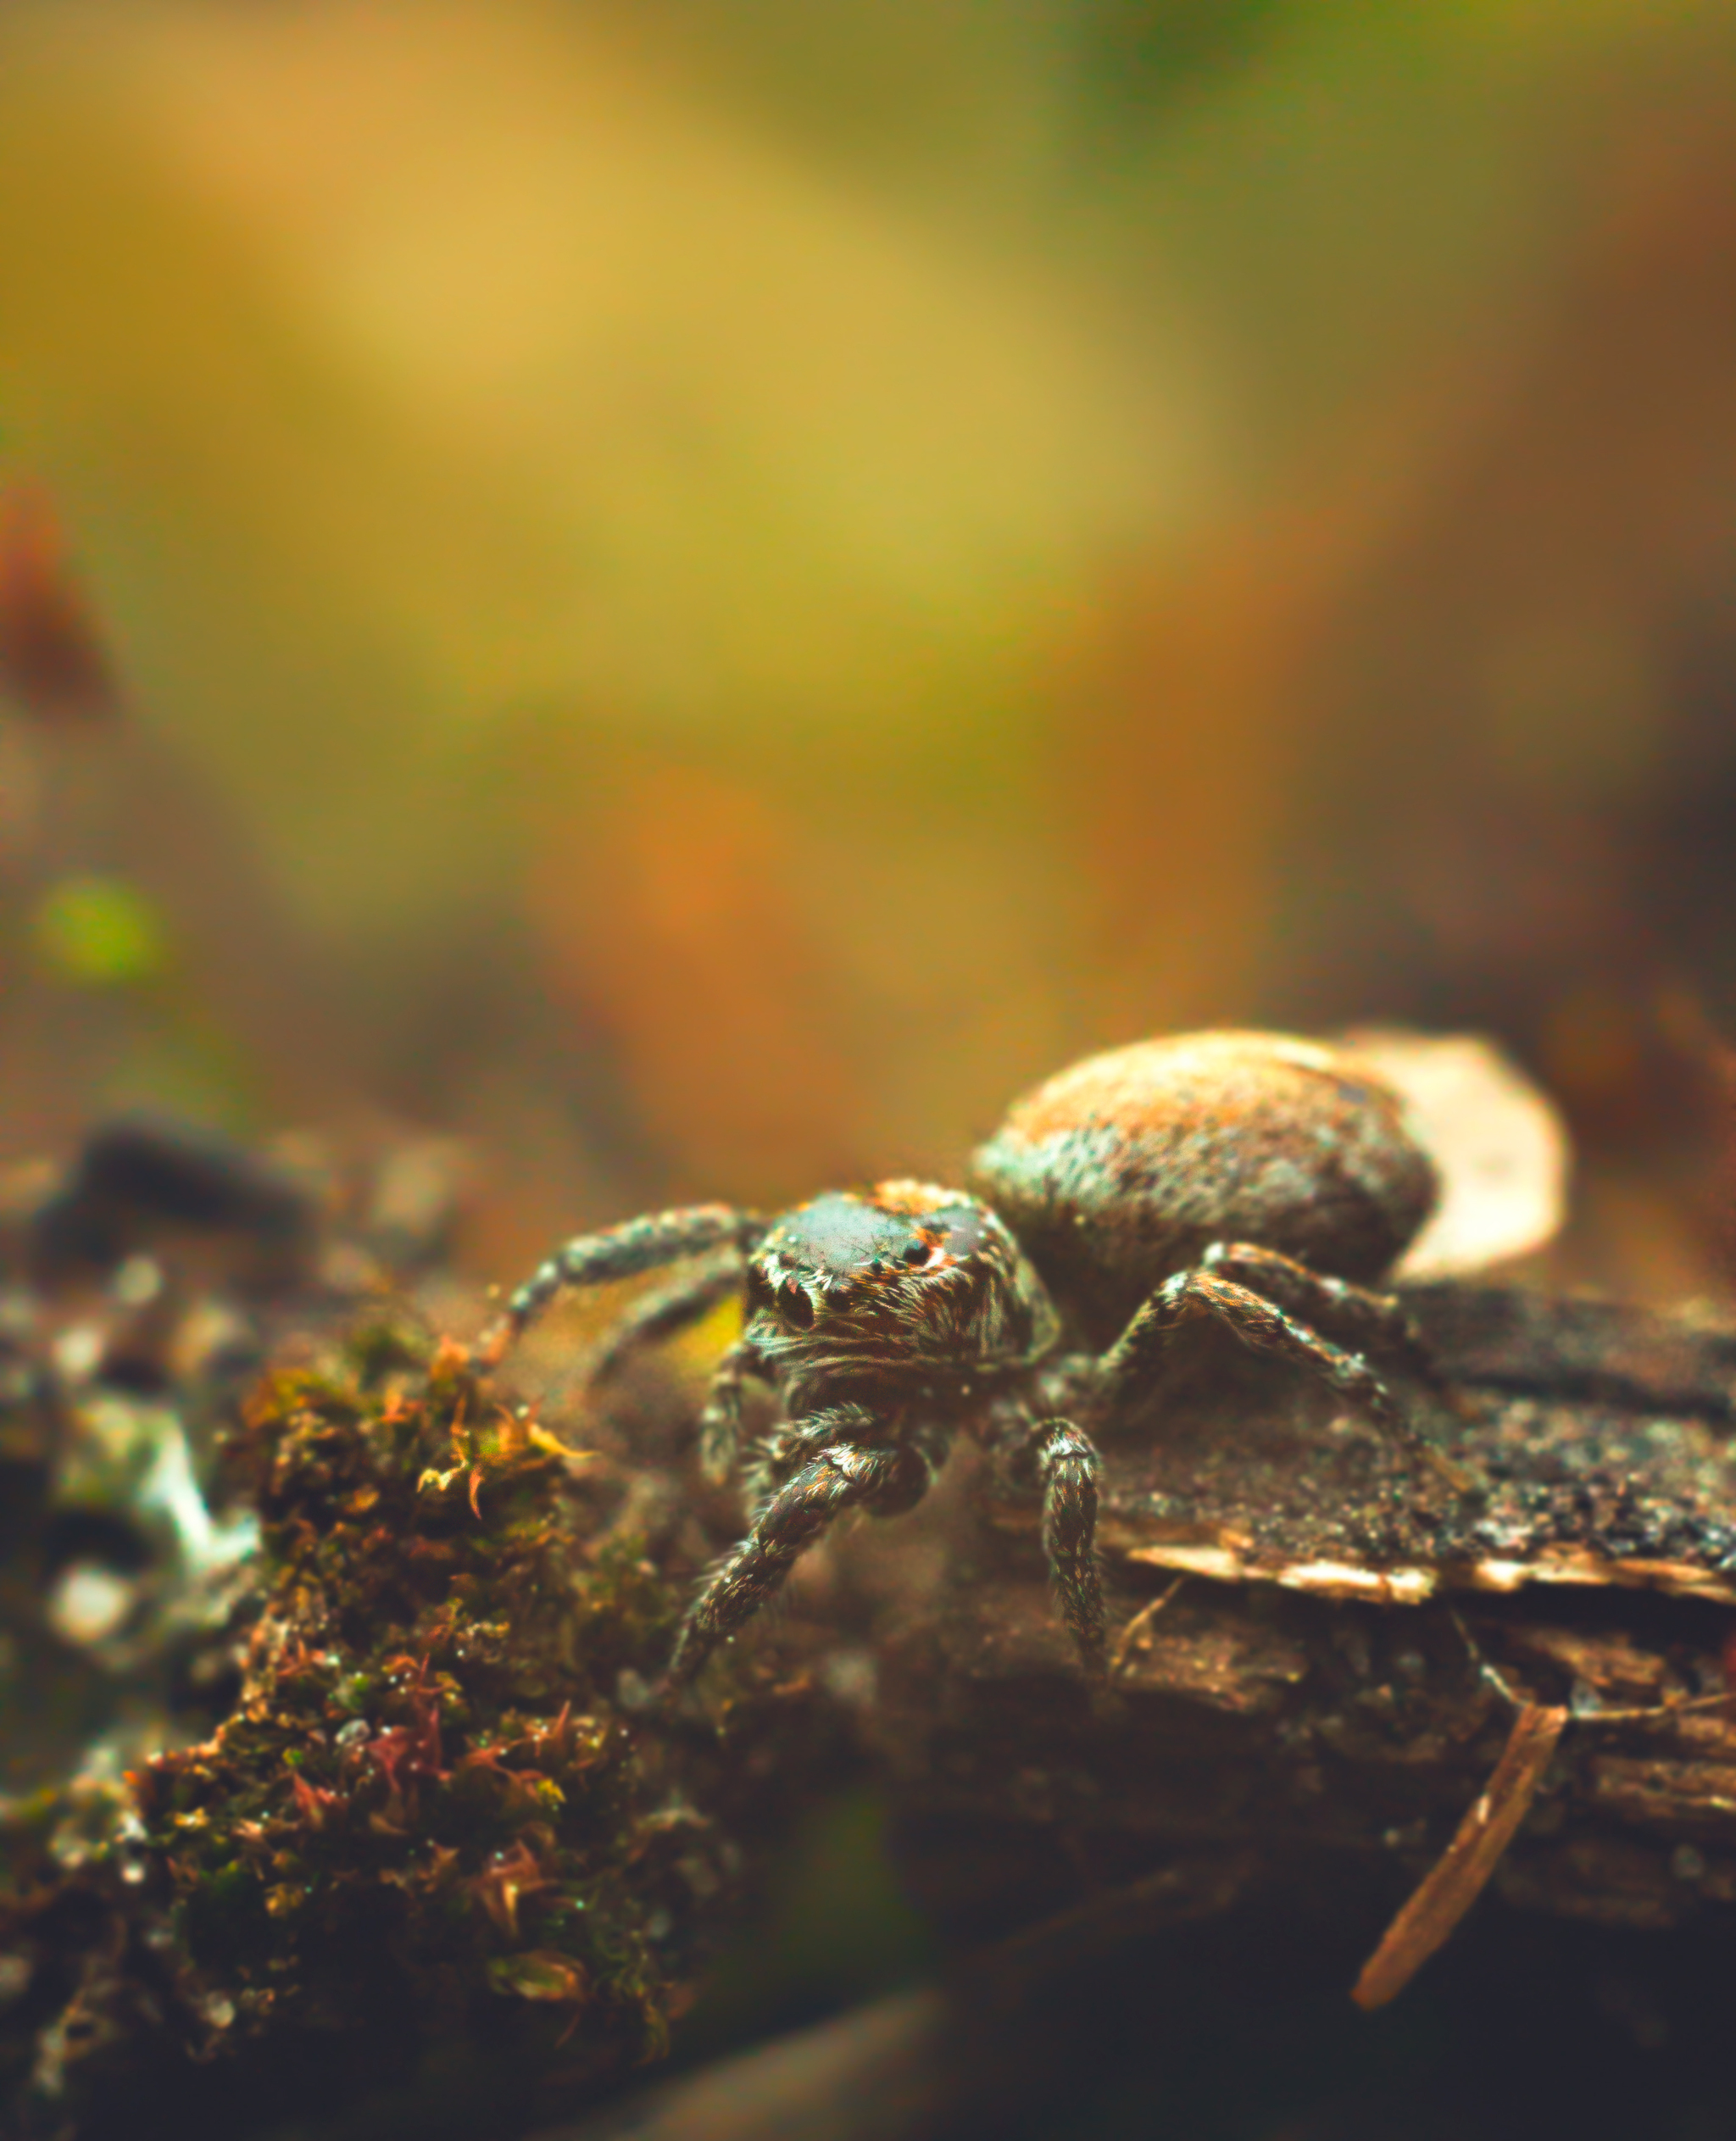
432	1835
428	1798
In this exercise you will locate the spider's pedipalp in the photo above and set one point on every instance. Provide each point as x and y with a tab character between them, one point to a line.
720	1423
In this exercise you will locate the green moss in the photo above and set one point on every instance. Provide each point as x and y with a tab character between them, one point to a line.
427	1801
428	1831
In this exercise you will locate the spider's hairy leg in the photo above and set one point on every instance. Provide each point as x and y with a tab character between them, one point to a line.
841	1473
1068	1465
1136	1359
666	1310
619	1253
720	1423
1353	1317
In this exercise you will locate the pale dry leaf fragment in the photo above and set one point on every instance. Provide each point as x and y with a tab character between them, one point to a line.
1498	1141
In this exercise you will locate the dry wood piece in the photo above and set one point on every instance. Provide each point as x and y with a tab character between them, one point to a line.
1459	1874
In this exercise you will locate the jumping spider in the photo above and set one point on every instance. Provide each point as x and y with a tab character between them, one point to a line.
1258	1179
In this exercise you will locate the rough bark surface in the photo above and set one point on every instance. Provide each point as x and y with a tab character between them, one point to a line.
1337	1672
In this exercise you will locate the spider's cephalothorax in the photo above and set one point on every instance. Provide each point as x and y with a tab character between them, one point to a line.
1254	1178
901	1287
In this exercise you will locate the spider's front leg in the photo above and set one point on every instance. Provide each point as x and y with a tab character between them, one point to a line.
836	1470
1062	1461
664	1310
1139	1358
1068	1465
620	1252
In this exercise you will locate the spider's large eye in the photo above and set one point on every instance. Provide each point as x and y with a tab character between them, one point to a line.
796	1308
915	1252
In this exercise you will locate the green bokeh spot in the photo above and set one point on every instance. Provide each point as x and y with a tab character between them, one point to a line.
100	933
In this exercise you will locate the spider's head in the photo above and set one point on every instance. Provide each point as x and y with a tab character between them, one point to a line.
901	1276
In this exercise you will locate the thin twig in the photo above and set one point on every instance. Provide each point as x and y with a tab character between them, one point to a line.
1141	1622
1490	1675
1654	1712
1459	1874
1650	1714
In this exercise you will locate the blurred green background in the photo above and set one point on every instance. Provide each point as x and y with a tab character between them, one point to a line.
698	590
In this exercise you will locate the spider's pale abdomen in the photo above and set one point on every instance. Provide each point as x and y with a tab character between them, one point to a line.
1119	1171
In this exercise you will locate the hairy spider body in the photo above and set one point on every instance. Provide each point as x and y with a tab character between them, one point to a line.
1255	1178
1127	1167
888	1321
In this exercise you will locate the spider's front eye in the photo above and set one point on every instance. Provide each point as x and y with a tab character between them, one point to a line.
796	1308
915	1252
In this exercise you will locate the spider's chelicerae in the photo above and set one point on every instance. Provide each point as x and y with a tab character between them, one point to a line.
1264	1180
